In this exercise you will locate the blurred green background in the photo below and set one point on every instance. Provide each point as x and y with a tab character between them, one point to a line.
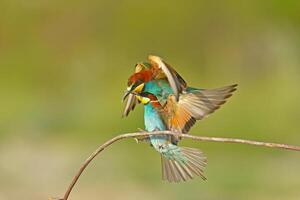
63	69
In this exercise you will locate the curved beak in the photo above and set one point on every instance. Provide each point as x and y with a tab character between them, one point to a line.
133	90
127	92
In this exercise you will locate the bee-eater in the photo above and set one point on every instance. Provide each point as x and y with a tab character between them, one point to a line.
178	163
159	78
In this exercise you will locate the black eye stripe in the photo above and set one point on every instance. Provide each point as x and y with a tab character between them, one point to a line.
137	83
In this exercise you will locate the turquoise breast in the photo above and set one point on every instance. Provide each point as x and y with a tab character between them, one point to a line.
152	119
160	88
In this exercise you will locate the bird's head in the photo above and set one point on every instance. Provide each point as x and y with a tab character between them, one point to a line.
136	82
146	97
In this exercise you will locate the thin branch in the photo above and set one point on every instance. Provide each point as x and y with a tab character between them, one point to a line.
141	135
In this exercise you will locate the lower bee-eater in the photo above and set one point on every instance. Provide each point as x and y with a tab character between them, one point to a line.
178	163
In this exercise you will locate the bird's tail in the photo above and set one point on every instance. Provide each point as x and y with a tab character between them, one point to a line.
182	163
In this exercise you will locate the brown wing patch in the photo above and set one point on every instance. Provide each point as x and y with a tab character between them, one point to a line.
194	105
178	115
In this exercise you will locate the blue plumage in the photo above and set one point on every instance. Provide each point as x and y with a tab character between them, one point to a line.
178	163
154	122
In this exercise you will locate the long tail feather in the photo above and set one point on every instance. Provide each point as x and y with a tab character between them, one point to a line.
188	164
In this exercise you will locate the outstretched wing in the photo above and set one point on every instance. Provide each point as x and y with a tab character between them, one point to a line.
176	82
195	105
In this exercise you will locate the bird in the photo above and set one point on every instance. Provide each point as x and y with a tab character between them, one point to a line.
159	78
171	105
178	163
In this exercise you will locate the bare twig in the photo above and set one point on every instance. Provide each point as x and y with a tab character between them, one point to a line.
141	135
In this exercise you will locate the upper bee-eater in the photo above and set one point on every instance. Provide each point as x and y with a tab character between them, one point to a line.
159	78
171	105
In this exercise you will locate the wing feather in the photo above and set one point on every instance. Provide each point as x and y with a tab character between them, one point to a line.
176	82
194	105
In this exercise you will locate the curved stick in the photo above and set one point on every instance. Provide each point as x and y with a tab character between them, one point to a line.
141	135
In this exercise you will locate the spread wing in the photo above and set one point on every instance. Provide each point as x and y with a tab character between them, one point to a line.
181	116
176	82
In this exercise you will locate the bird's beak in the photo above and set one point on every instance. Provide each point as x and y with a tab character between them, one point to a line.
127	92
126	95
133	90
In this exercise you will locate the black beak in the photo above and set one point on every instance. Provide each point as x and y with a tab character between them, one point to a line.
126	95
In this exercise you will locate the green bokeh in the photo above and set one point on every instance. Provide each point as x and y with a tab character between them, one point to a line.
63	69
